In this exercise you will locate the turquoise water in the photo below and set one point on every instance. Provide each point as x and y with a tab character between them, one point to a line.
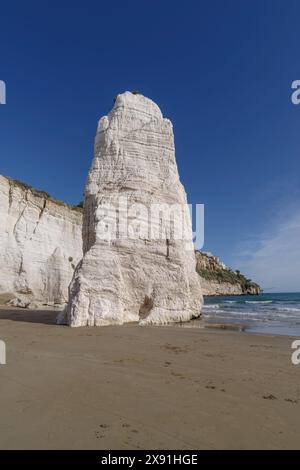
277	314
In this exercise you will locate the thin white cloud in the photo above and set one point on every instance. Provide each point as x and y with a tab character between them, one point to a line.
273	258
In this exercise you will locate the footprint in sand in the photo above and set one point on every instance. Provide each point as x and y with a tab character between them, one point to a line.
175	349
177	374
290	400
211	387
269	397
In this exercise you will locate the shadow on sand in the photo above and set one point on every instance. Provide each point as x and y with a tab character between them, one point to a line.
45	317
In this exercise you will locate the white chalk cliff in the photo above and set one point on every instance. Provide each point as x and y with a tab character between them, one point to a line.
133	276
40	245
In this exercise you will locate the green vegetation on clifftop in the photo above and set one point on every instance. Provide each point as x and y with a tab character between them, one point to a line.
210	268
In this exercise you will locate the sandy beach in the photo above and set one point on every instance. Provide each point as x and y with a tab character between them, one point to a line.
134	387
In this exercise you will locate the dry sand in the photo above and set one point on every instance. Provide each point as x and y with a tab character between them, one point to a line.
136	387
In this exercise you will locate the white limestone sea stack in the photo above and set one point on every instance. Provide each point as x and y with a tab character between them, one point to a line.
134	267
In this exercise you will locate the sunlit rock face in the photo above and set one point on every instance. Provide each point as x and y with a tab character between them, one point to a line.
40	245
136	266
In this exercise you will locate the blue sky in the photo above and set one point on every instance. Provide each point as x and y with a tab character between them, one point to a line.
221	70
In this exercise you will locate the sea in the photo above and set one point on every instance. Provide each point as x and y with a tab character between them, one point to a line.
275	314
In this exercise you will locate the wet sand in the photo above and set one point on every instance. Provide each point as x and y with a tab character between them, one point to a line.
134	387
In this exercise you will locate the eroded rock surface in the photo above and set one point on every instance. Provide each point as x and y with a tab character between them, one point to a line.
136	275
40	244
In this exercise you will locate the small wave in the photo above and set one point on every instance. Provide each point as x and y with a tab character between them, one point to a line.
289	309
210	307
269	313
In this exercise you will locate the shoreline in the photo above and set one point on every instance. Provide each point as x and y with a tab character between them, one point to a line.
271	314
198	324
132	387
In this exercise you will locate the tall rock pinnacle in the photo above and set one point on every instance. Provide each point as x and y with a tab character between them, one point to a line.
138	262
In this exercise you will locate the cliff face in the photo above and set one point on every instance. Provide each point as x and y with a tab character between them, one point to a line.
218	279
40	245
129	272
